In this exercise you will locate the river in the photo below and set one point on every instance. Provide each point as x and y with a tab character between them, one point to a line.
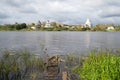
58	42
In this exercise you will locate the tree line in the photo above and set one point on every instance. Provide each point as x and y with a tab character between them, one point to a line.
55	27
13	27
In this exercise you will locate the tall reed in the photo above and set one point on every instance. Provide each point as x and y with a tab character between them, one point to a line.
20	65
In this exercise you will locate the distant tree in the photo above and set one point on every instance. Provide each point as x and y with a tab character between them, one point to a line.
33	24
11	27
101	27
17	26
117	28
23	25
20	26
53	24
79	27
38	24
84	29
16	22
59	25
43	24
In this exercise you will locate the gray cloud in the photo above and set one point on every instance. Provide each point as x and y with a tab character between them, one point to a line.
111	15
27	10
67	11
15	3
3	15
113	3
112	11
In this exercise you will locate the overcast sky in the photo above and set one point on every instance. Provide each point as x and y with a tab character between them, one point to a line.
66	11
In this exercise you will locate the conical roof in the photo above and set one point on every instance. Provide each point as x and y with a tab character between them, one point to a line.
88	21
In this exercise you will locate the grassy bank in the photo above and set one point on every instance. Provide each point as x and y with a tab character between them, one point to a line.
102	66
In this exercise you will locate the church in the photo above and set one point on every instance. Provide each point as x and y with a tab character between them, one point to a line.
88	23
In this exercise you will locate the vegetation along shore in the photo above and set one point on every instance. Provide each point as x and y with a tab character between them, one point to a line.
56	26
98	65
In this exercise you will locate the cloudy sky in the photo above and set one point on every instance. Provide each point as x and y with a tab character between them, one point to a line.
66	11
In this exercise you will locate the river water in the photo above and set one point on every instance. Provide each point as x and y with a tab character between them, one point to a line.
59	42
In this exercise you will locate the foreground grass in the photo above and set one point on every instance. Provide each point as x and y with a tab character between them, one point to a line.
20	66
101	66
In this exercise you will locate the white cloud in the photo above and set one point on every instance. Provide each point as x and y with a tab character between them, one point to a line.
61	7
70	11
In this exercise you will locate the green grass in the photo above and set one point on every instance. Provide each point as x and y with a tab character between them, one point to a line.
101	66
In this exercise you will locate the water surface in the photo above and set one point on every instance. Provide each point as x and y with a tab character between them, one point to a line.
59	42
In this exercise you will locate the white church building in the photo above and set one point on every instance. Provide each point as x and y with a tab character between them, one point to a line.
88	23
47	25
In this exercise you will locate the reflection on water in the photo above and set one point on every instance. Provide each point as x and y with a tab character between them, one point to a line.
87	40
59	42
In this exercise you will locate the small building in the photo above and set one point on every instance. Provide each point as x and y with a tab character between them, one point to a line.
66	26
110	28
33	28
47	25
36	26
59	24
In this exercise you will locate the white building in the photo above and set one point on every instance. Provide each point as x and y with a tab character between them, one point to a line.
110	28
47	25
33	28
88	23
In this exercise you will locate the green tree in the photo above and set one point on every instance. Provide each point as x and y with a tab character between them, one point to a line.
20	26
